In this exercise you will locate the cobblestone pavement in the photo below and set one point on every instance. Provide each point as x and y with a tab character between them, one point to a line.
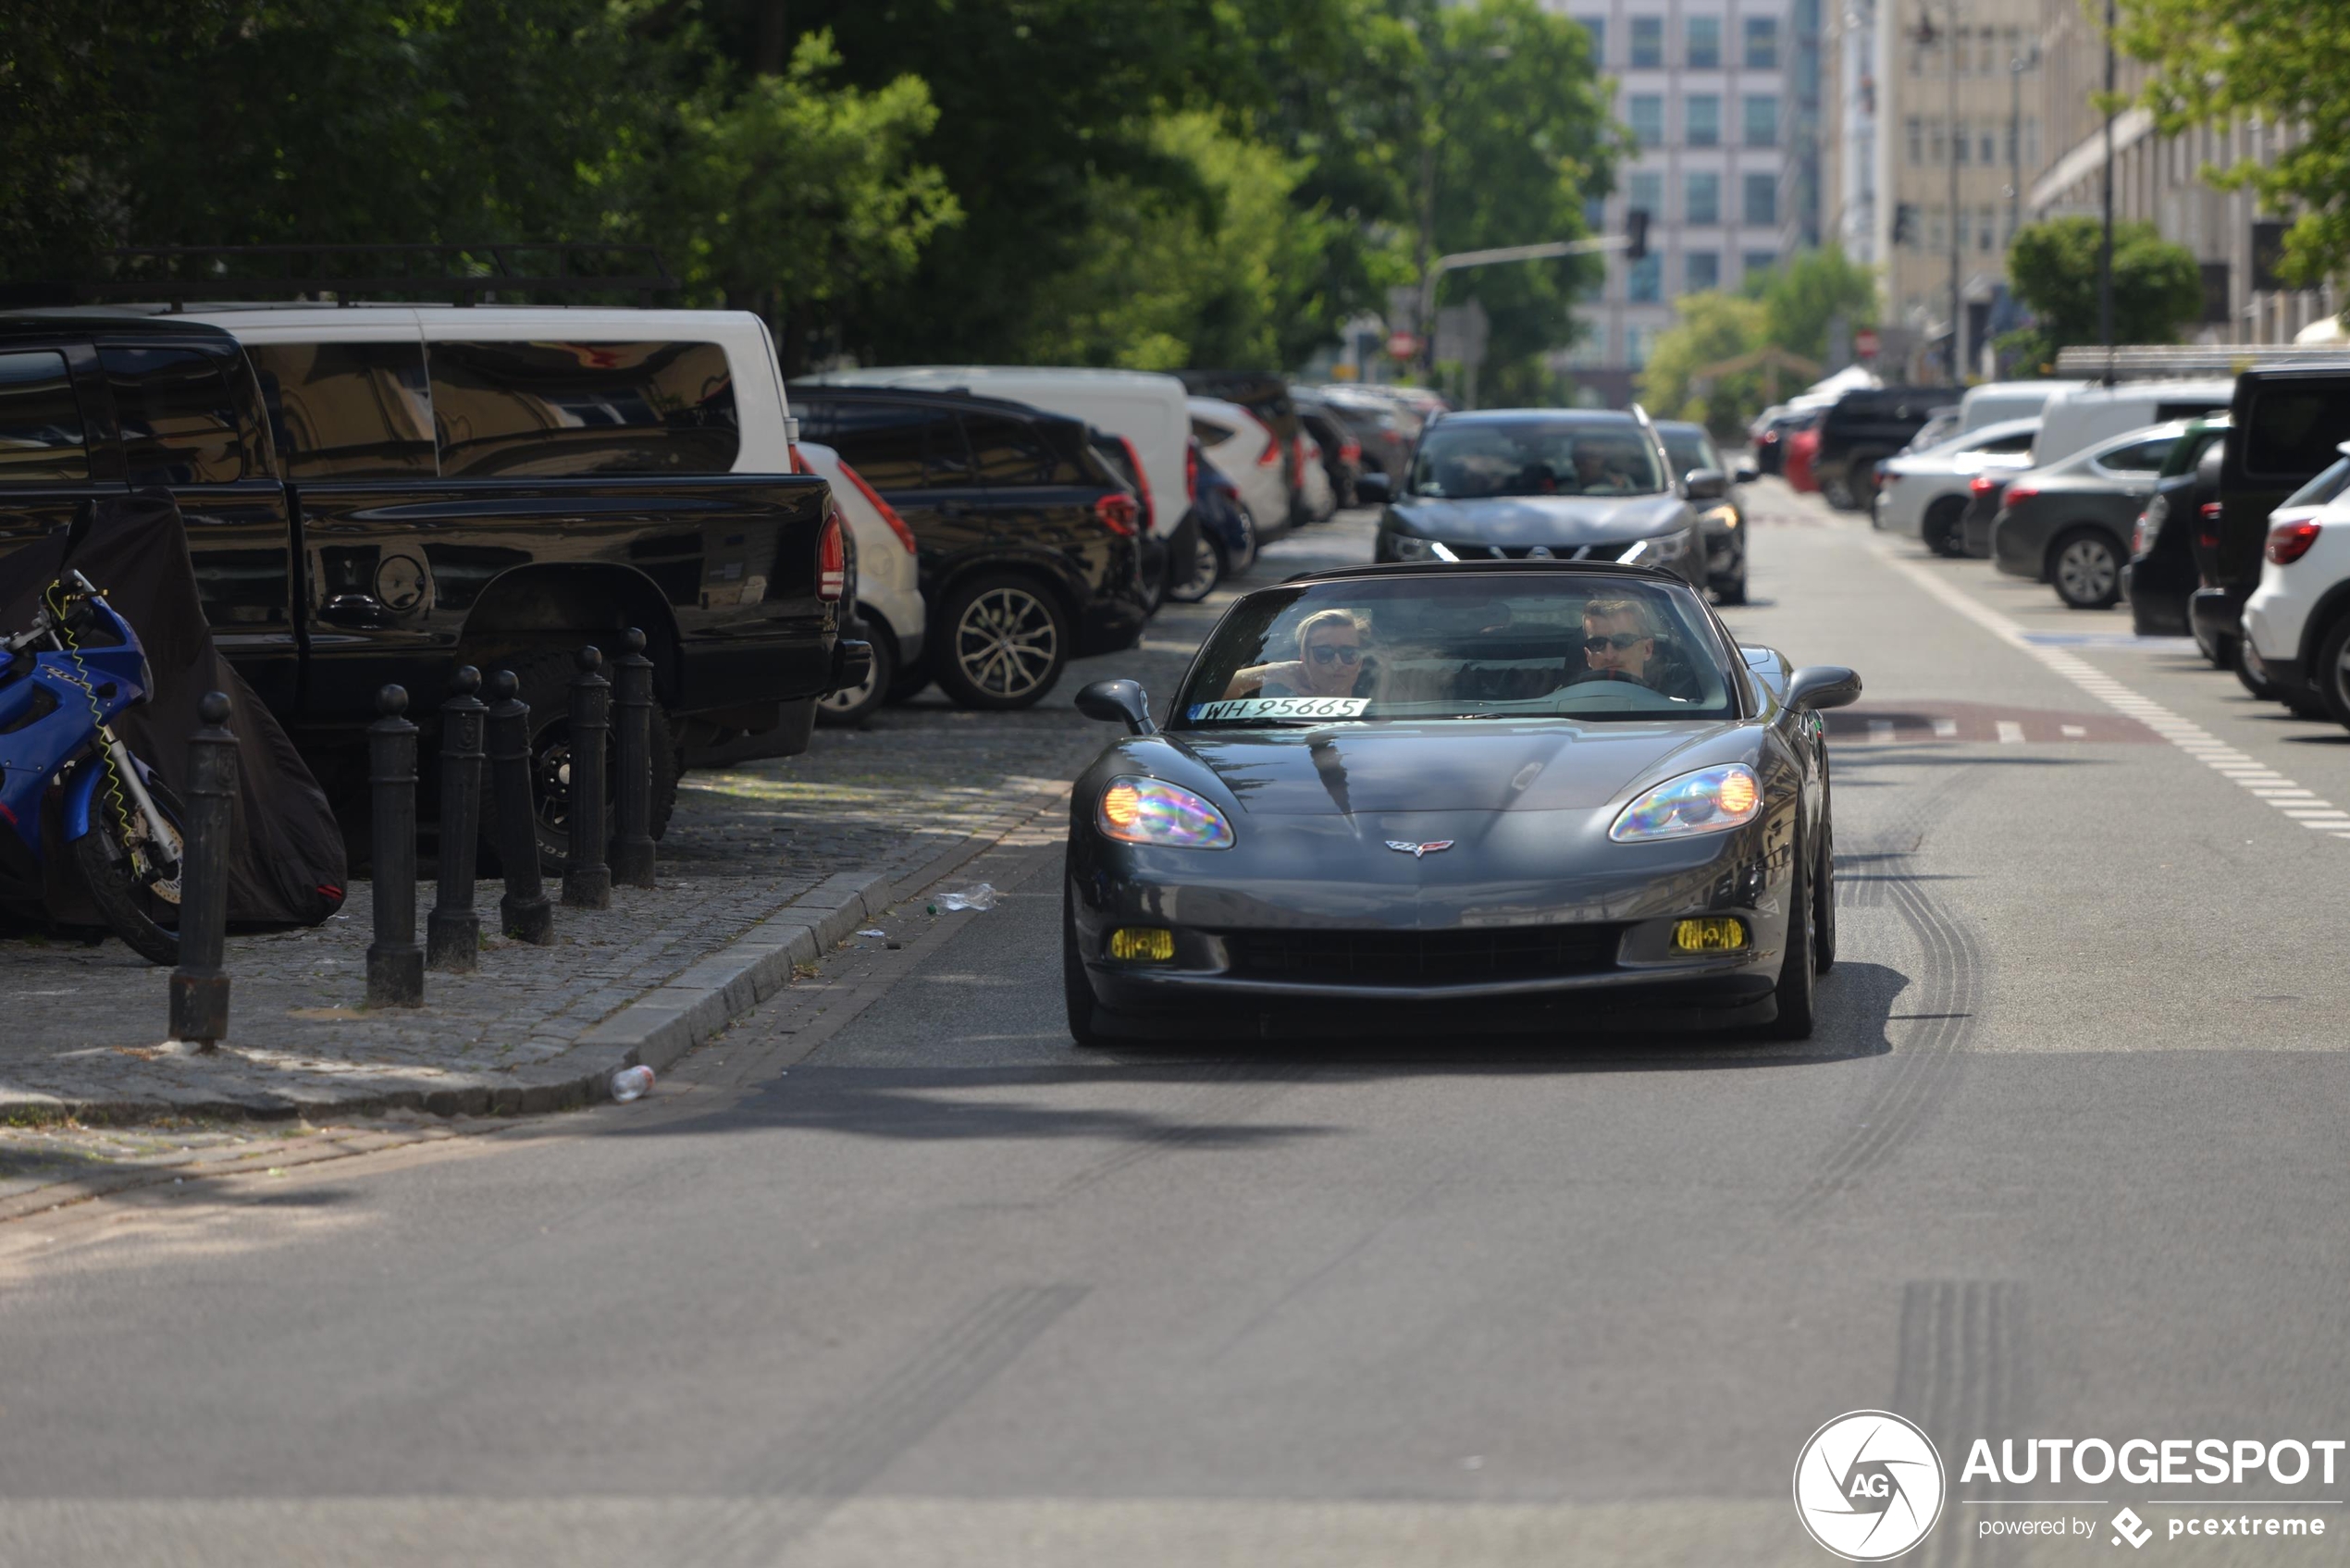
88	1022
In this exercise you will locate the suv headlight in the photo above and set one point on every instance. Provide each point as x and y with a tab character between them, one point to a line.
1659	550
1153	811
1710	800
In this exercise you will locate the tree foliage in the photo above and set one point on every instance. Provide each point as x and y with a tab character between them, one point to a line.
2282	62
2054	266
1708	329
1120	181
1804	296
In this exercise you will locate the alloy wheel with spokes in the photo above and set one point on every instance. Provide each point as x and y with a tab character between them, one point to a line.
1005	644
2089	573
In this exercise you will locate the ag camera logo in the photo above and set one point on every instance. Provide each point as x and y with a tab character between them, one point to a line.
1868	1485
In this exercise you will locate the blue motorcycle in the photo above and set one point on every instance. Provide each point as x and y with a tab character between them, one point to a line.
66	678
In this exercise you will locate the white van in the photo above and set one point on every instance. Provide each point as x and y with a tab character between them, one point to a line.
1996	402
2087	414
1146	408
730	414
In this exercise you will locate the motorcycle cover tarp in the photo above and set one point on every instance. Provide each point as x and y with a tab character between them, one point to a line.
286	864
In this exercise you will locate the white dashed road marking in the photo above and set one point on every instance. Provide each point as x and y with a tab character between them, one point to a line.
2011	732
2263	783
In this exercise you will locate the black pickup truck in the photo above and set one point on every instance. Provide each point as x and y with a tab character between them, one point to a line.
322	589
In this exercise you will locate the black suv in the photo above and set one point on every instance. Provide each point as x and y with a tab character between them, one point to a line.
1027	542
2283	428
1863	426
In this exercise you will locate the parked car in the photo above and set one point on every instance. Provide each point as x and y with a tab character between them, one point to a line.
2069	525
2084	414
1319	499
1548	484
1768	435
1143	408
1925	493
1941	425
888	591
1028	547
1694	455
1983	494
2296	623
1803	446
1266	398
1226	541
2160	577
1341	450
1385	428
2283	427
362	512
1997	403
1861	427
1242	448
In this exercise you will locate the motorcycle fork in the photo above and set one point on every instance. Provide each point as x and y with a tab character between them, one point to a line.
159	831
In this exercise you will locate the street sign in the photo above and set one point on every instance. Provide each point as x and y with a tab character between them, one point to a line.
1403	345
1864	342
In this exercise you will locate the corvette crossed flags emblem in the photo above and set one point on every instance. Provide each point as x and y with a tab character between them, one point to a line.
1417	850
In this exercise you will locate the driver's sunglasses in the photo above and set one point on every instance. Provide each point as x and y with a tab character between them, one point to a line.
1616	640
1344	653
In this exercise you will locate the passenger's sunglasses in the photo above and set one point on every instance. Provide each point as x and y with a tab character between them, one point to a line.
1344	653
1616	640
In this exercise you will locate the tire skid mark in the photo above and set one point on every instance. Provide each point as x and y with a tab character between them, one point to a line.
1961	1375
823	1464
1944	1002
1229	1091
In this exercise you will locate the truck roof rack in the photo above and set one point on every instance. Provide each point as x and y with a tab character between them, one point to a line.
2137	362
352	274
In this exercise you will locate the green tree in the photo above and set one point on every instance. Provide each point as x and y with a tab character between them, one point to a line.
1802	297
1519	139
2054	266
1707	329
1207	269
795	198
2282	62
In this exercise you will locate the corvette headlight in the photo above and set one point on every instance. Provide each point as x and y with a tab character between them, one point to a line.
1710	800
1150	811
1407	547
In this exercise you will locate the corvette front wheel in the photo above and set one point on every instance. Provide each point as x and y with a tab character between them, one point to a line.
1798	978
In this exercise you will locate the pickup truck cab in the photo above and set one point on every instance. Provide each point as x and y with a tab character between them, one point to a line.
373	498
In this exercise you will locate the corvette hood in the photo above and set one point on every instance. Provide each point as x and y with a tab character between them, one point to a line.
1541	520
1449	767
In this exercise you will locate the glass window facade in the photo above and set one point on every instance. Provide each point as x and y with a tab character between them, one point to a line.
1761	204
1762	43
1701	120
1644	111
1700	270
1760	119
1701	43
1701	193
1648	42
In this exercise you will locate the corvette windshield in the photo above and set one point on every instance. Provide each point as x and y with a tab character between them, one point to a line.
1471	459
1580	646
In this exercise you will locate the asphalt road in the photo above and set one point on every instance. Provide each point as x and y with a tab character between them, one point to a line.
892	1274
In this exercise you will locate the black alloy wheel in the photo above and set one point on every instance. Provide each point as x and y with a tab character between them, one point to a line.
1207	570
852	706
2086	567
1002	642
1941	532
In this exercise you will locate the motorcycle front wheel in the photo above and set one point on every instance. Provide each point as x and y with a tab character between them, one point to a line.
135	883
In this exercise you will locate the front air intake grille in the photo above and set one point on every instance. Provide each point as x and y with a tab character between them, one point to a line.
1422	957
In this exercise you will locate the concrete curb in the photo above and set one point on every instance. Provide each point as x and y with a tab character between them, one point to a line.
655	1029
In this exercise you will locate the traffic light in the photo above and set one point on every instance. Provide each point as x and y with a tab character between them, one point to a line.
1905	223
1636	228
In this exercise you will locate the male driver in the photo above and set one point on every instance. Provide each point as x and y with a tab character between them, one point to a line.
1618	641
1332	646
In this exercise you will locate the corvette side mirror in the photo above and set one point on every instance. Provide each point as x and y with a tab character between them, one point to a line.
1123	701
1815	686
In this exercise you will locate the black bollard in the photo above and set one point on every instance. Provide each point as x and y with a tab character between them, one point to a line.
395	963
632	704
199	988
453	936
587	880
523	913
